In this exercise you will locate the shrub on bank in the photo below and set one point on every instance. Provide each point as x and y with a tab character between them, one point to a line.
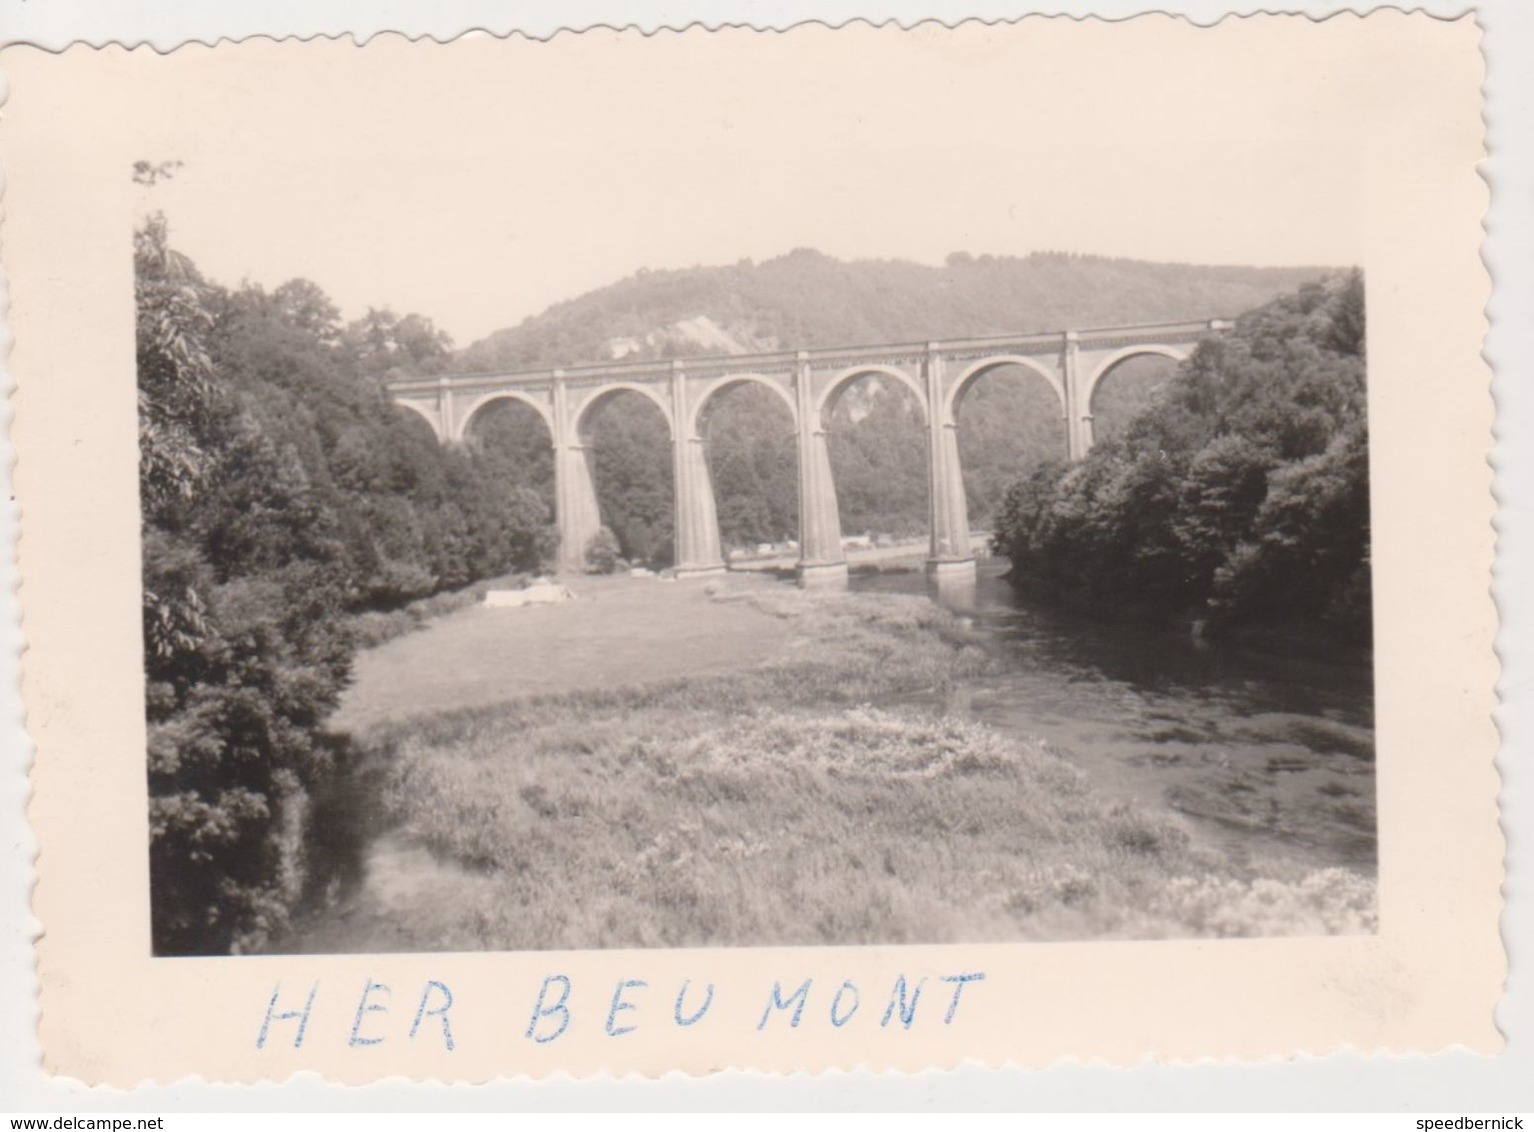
602	553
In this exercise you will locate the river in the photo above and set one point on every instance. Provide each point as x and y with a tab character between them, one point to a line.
1266	756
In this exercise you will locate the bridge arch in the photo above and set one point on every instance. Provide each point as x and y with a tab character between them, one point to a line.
742	453
627	471
1114	359
984	366
581	418
721	384
1005	415
846	377
466	421
877	465
420	410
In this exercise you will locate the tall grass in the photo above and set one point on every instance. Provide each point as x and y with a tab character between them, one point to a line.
824	797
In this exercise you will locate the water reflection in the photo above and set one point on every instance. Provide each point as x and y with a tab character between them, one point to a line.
1264	754
958	592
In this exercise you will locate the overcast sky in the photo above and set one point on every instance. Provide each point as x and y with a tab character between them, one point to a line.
480	182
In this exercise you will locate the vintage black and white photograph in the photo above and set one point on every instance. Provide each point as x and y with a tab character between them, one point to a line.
805	513
865	547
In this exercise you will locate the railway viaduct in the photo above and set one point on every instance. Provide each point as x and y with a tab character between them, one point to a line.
1073	362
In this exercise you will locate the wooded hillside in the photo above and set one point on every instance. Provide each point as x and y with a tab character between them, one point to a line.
805	299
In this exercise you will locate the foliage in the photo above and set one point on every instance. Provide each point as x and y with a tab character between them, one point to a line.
877	437
1310	557
513	440
632	469
1240	495
282	496
602	552
753	463
382	341
1009	421
174	370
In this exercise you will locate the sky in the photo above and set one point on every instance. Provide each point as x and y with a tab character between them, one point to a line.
479	182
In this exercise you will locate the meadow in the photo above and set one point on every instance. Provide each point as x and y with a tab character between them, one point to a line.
827	794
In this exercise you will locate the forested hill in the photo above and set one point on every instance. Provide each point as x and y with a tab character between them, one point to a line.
805	299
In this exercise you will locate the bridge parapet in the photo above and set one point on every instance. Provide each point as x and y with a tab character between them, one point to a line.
785	361
722	365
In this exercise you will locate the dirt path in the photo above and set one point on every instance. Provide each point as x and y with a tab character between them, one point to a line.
912	551
617	631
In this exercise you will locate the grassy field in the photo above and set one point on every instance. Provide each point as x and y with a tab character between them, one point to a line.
620	630
821	794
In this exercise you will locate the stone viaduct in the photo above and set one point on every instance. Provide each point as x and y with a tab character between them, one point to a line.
1073	362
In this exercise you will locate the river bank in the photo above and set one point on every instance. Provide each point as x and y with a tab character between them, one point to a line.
1288	636
752	765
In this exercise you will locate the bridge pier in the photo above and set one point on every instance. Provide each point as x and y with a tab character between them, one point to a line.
576	511
950	552
822	575
1077	439
696	516
578	514
951	567
697	519
822	562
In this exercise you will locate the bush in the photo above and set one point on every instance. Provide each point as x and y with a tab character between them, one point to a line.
602	553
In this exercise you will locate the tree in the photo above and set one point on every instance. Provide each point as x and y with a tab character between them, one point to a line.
1308	554
175	373
382	341
1240	495
308	309
878	449
634	477
238	672
282	495
753	464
